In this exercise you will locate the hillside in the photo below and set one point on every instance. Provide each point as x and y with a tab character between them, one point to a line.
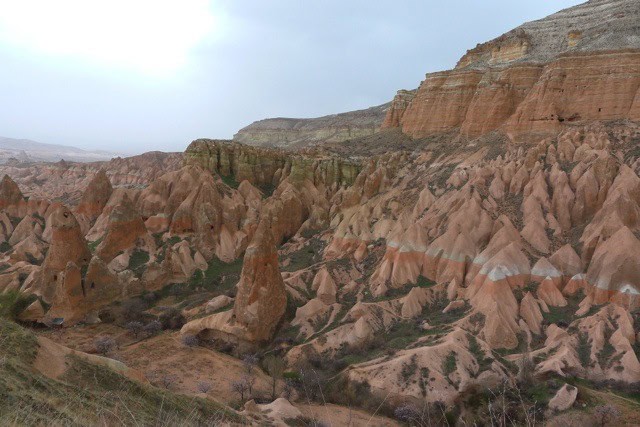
24	151
43	383
287	132
576	66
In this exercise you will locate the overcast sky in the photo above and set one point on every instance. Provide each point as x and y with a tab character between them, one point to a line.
140	75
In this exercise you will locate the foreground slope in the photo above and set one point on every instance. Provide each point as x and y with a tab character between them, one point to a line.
45	383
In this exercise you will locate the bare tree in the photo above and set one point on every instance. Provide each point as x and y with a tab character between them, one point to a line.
134	328
275	367
240	387
606	414
507	406
249	362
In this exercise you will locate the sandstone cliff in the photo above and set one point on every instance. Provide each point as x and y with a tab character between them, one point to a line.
578	65
286	132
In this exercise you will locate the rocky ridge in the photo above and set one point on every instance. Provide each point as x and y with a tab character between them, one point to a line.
288	132
578	65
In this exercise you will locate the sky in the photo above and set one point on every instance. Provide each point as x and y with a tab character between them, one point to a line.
131	76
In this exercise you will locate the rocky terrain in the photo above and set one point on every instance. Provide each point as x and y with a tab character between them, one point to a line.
23	150
473	262
296	133
65	181
576	66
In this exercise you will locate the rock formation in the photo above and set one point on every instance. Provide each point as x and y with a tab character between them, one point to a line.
95	197
534	80
68	247
287	133
261	298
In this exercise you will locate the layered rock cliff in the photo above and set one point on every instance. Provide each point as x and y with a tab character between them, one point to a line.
267	167
578	65
288	132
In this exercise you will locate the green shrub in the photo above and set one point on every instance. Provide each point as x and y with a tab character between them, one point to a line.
230	180
584	349
94	245
449	364
138	261
12	303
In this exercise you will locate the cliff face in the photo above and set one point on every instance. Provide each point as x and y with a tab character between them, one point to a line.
288	132
577	65
266	167
597	25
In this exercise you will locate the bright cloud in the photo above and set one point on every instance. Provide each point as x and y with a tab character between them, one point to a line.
149	36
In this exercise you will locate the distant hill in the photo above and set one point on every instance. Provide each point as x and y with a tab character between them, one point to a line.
24	150
289	132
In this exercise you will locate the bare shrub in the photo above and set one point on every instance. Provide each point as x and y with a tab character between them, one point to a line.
190	340
606	415
204	387
526	368
168	380
153	328
132	309
134	328
407	413
172	318
105	344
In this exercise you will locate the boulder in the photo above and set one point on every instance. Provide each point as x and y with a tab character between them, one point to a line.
564	398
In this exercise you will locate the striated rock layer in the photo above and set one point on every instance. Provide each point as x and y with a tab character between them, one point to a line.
287	132
536	79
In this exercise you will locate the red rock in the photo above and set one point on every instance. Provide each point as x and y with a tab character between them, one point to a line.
124	230
67	246
261	299
95	196
10	194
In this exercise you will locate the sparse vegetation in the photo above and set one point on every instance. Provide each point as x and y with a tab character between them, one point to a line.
12	303
274	366
134	328
606	415
88	394
449	364
204	387
5	247
230	180
138	261
584	349
105	345
476	350
190	341
94	245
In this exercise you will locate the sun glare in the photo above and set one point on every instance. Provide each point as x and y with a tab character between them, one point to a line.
149	36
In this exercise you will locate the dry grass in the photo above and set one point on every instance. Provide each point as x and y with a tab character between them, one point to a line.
87	394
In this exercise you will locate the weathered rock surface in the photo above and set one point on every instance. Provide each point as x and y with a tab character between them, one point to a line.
286	132
536	79
68	247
